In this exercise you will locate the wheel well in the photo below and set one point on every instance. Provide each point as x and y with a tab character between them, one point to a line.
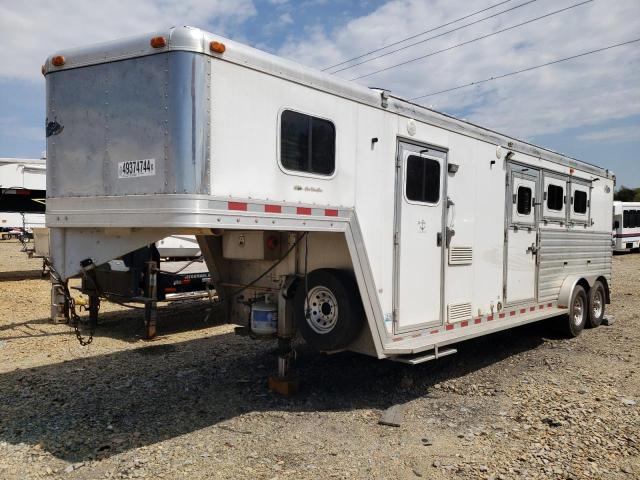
584	284
607	293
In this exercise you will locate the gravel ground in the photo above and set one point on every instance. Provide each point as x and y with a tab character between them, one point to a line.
193	403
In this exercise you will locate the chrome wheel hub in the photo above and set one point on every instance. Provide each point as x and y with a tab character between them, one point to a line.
596	308
321	310
578	310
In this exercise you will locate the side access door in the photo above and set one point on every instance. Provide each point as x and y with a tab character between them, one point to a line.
521	235
419	230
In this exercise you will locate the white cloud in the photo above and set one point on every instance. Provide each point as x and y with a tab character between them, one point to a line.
285	19
32	30
584	91
618	134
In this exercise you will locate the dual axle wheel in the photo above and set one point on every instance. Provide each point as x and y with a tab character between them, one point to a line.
585	310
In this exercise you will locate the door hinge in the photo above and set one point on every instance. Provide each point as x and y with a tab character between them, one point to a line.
394	317
396	238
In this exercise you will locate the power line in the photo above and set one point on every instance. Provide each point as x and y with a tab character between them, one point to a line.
472	40
416	35
526	69
426	39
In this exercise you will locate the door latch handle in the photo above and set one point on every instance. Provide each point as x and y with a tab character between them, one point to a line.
450	232
532	249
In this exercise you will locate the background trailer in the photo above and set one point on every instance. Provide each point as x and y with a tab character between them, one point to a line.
626	226
22	193
373	224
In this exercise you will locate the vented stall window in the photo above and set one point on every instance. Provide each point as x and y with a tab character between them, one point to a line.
524	200
307	144
555	197
580	202
423	179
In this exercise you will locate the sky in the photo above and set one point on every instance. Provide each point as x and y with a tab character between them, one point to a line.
587	108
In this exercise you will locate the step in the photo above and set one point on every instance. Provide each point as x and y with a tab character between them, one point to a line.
417	359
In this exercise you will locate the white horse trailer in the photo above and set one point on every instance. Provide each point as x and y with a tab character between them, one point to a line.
626	226
371	223
22	193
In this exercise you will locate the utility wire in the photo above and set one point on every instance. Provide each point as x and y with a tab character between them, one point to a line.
434	36
473	40
416	35
526	69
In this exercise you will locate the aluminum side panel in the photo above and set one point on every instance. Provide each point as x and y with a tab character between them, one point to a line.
563	253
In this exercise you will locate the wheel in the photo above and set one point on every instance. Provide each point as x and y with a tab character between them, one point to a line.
597	299
334	315
578	315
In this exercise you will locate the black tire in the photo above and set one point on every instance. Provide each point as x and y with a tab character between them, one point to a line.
597	300
573	323
336	313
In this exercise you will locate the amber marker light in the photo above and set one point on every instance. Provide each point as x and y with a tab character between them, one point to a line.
43	70
58	60
158	42
217	47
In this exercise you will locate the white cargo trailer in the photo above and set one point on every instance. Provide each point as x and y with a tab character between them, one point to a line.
22	193
371	223
626	226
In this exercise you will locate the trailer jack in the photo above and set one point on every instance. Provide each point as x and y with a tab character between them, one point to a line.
284	383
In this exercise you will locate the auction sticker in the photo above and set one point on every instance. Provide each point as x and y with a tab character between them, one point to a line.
137	168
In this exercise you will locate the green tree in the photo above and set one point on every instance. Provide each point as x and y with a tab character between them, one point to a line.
625	194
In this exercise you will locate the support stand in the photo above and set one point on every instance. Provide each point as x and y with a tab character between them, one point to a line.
285	383
151	304
59	304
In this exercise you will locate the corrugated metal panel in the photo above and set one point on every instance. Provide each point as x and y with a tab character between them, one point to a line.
460	255
564	253
458	311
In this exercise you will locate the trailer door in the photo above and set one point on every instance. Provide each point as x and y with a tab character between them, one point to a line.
419	245
521	236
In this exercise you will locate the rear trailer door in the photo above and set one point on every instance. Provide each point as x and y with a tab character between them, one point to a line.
129	127
521	236
419	247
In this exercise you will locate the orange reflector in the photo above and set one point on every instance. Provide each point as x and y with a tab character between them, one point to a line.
158	42
217	47
169	290
58	60
42	69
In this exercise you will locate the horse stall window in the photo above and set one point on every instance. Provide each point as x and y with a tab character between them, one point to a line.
580	202
524	200
555	197
307	144
423	179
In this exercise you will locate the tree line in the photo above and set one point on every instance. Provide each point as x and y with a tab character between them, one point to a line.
627	194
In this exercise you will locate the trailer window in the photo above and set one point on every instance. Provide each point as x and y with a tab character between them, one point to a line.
626	221
307	144
580	202
524	200
555	197
423	179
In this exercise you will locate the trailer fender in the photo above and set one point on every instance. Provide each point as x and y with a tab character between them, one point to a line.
569	284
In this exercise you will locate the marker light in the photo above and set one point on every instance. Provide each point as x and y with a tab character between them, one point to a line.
58	60
43	69
217	47
158	42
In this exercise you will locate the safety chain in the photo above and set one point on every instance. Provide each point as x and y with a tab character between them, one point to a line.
74	317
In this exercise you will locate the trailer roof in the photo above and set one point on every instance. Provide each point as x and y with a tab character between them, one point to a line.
24	161
196	40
